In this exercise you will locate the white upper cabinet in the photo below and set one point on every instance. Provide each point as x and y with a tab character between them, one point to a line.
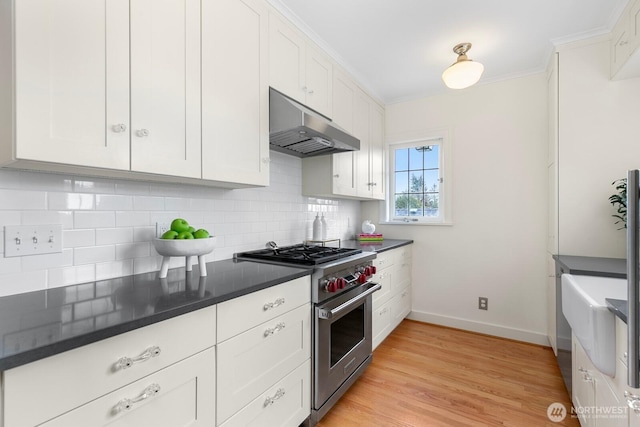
369	128
298	69
625	39
165	87
235	92
72	82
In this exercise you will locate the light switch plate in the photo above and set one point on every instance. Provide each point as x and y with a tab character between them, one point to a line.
21	240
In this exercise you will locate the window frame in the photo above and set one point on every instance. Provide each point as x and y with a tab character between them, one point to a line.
438	137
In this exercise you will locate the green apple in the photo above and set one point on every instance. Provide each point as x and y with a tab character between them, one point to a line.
179	225
192	230
169	235
184	235
201	234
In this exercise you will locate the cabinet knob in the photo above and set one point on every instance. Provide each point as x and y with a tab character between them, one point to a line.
310	92
266	160
120	127
336	175
623	42
142	133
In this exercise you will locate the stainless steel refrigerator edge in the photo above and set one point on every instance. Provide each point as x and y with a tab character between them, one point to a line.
633	341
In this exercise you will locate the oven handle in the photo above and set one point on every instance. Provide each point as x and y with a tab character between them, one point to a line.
328	314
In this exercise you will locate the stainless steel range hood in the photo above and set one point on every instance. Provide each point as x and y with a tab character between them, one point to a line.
297	130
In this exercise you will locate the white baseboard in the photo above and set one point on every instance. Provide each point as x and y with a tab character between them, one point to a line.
480	327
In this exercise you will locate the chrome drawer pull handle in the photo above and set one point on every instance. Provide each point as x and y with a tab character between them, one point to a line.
271	400
127	362
126	404
633	401
271	331
276	303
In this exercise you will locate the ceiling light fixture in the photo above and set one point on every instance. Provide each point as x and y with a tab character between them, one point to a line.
464	72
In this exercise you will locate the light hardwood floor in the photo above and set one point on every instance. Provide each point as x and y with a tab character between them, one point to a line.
427	375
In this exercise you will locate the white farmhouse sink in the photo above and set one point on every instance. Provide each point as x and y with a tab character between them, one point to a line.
584	306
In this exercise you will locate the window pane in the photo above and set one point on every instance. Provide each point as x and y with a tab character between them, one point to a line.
402	182
401	205
415	204
431	204
416	182
415	159
432	158
432	180
402	159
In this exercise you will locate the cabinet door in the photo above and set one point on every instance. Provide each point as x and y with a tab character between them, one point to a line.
287	59
183	395
318	82
165	87
235	92
361	130
344	95
72	82
619	44
583	385
381	323
376	152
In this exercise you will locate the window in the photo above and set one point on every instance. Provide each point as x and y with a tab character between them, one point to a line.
417	182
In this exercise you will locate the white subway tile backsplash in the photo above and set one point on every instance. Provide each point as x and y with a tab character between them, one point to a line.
78	238
110	270
22	200
131	219
110	236
71	275
109	224
92	219
94	254
132	250
71	201
23	282
46	261
113	202
148	203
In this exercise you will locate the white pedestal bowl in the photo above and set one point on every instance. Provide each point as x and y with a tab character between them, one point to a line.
186	248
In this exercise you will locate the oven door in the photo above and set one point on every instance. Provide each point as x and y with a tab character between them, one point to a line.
343	339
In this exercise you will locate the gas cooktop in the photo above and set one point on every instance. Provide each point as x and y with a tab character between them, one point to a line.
299	254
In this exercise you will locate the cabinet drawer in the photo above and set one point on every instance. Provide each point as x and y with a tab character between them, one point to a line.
402	273
285	404
384	278
400	306
185	396
381	323
239	314
384	260
249	363
88	372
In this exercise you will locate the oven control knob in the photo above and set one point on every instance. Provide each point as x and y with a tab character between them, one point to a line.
367	271
341	283
362	279
373	269
332	286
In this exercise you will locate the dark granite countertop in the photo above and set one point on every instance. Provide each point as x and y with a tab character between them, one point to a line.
39	324
593	266
385	245
618	307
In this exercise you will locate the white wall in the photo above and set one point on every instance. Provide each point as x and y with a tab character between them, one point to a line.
599	139
108	224
496	245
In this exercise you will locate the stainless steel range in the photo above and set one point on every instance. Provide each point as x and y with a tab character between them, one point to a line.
341	290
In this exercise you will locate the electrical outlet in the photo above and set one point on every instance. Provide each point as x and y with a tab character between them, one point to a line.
483	303
161	228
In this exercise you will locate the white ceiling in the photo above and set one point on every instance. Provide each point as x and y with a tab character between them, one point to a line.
399	48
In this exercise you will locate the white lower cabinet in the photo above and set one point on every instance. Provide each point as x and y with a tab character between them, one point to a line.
598	399
181	395
32	392
284	404
264	352
392	302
